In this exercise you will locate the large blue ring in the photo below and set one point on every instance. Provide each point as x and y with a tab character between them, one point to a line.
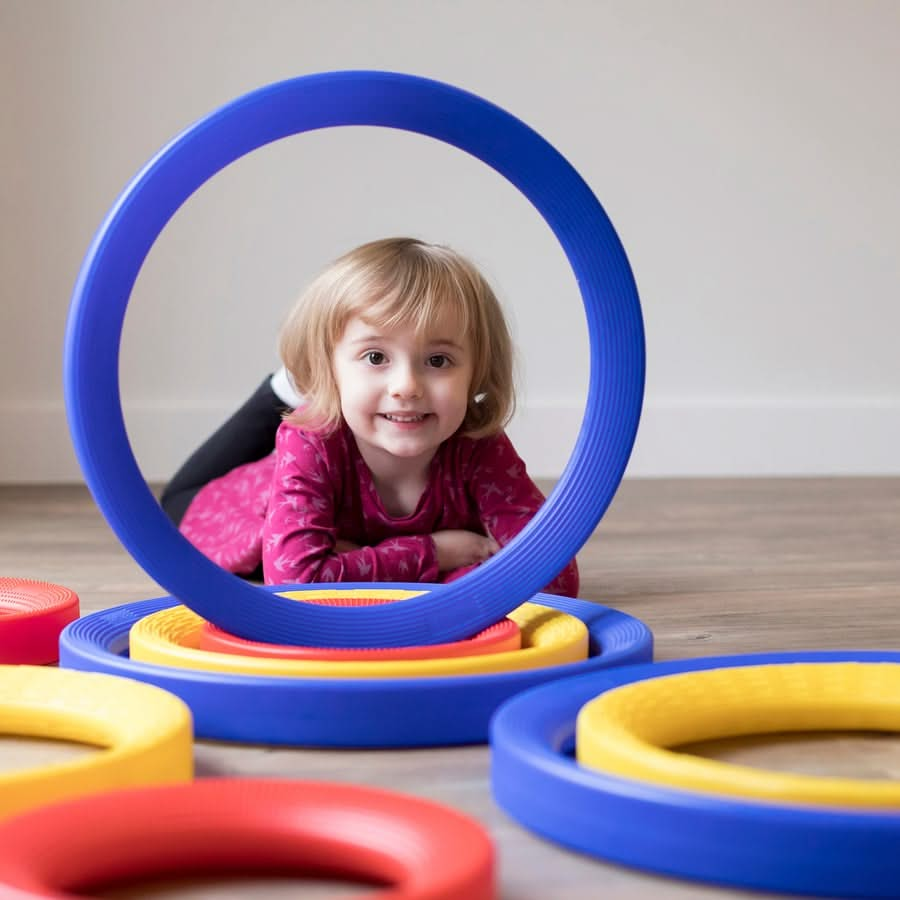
448	114
752	844
344	712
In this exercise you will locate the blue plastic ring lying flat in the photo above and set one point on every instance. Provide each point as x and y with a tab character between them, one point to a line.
751	844
343	712
615	329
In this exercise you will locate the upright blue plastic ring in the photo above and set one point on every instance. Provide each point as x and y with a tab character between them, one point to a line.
390	100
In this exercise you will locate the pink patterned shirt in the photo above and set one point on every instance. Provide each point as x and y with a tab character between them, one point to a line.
289	509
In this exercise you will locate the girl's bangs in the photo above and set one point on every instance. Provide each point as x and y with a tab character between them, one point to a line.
420	307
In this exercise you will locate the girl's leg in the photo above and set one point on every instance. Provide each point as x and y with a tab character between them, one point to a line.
247	436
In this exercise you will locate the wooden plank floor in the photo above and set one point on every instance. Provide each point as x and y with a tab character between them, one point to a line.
712	566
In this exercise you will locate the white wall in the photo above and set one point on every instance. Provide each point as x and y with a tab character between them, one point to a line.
747	153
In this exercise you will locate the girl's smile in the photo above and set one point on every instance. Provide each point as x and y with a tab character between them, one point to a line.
404	418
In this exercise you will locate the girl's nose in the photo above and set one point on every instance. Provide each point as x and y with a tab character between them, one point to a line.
405	382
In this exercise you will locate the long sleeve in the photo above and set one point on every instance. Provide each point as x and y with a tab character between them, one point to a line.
301	526
507	500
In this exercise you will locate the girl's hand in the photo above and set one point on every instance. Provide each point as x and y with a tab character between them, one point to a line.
456	548
342	546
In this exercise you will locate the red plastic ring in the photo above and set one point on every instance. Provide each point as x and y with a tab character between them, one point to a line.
500	637
419	849
32	614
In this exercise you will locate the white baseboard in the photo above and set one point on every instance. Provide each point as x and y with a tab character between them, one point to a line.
676	438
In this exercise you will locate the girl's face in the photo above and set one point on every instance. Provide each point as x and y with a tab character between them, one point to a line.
402	395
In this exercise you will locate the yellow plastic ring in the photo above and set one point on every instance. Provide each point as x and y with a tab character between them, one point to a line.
549	638
144	734
627	730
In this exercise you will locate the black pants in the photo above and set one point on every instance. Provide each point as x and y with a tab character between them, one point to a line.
247	436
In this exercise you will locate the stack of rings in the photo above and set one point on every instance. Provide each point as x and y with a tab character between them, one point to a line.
143	734
32	615
420	850
631	800
350	711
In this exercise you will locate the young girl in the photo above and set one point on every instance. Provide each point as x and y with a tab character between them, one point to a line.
395	466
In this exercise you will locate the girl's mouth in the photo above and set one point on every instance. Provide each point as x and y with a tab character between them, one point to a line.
402	419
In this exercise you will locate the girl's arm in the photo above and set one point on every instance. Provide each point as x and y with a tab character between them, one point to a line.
507	500
300	538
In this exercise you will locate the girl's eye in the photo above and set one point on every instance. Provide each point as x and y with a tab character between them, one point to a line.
438	361
375	358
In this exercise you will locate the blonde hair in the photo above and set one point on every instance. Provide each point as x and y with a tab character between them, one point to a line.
399	282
